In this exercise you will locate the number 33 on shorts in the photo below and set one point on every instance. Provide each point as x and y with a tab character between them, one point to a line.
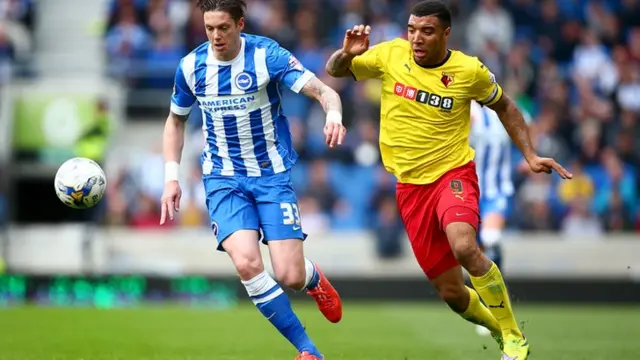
291	215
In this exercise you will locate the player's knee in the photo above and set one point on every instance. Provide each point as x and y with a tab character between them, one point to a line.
462	238
248	266
464	246
472	258
465	250
291	276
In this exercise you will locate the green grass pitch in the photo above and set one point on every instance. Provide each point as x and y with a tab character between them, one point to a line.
392	331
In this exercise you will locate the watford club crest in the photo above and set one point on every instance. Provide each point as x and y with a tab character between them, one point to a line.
447	78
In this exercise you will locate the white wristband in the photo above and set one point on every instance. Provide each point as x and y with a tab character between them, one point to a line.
171	171
334	117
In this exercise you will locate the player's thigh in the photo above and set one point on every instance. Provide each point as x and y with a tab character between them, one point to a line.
458	207
417	207
277	206
230	210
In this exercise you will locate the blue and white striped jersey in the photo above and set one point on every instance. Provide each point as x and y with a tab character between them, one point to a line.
245	132
492	145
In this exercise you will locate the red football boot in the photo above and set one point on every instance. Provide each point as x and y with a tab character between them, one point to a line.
327	298
306	356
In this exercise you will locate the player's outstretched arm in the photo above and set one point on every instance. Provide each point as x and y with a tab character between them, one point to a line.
334	131
172	144
356	42
514	123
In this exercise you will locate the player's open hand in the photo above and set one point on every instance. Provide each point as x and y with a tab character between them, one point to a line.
170	201
547	165
334	133
356	40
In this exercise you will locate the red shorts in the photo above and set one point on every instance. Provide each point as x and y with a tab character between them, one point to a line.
426	211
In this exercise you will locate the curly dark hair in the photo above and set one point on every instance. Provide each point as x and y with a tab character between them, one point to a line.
235	8
433	7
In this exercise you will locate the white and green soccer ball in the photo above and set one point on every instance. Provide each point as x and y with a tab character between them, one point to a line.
80	183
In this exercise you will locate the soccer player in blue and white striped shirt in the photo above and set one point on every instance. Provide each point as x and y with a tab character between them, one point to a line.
493	166
234	77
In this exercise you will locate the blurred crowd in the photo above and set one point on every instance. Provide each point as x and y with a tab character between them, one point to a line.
573	65
16	37
16	31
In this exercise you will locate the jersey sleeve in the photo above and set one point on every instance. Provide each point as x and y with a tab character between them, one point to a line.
370	64
485	89
286	69
182	98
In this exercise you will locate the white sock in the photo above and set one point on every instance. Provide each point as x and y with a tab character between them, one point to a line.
310	271
259	285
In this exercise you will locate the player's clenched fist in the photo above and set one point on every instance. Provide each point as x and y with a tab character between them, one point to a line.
356	40
170	200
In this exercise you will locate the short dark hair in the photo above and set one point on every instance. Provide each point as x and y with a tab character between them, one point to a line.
433	7
235	8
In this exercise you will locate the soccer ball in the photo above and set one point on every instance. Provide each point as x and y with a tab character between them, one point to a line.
80	183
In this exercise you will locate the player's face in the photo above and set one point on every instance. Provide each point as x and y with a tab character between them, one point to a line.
428	39
223	33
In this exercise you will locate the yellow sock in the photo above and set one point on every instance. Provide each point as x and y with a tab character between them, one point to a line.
493	291
478	314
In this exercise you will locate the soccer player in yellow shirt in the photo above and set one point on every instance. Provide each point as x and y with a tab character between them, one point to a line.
427	91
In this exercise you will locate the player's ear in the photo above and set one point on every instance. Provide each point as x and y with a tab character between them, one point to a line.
447	31
241	24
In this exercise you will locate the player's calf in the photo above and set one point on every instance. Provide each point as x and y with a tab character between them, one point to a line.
453	293
465	301
291	267
266	294
300	273
292	274
311	280
485	276
274	304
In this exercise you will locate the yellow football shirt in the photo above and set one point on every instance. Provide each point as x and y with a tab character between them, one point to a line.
425	112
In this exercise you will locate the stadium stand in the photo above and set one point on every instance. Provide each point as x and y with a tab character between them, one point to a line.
573	65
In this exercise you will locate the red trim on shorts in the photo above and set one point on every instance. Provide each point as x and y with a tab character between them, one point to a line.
450	215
